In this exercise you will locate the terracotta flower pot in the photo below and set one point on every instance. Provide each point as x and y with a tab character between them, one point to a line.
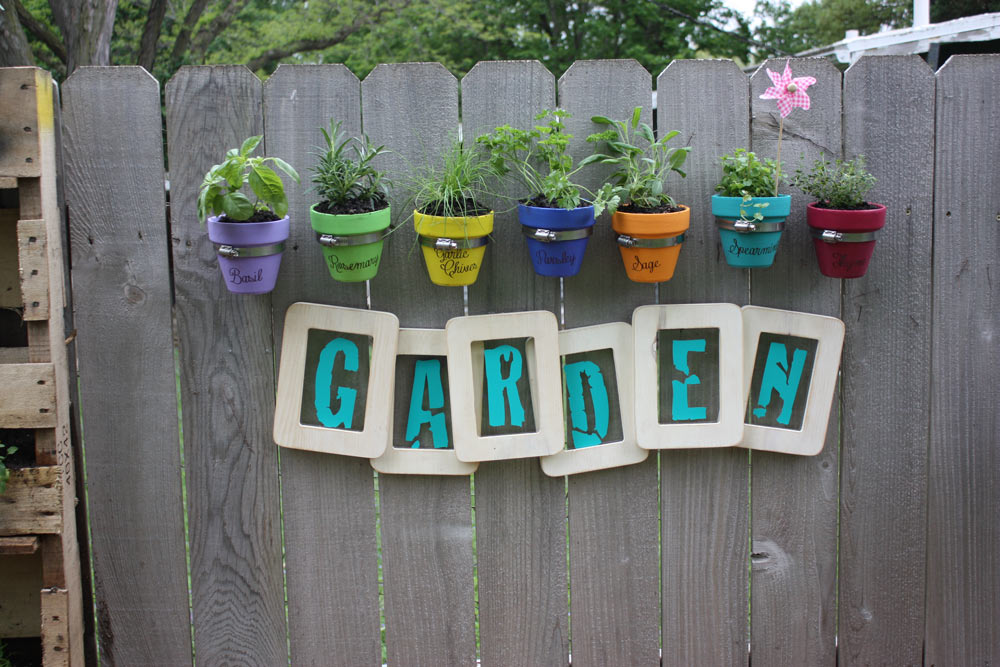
351	244
749	243
249	253
844	240
557	237
650	243
453	248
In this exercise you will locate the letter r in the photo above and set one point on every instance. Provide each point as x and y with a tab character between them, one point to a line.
497	385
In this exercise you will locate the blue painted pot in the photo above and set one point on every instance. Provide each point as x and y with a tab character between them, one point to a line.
557	237
749	243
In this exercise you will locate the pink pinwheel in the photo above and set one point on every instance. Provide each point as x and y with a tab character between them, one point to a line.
789	92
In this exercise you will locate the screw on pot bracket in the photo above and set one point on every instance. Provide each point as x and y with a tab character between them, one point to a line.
544	235
229	251
625	241
744	226
446	244
329	240
831	236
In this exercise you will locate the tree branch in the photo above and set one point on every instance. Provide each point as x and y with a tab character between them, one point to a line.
151	34
183	40
14	47
303	45
207	35
41	31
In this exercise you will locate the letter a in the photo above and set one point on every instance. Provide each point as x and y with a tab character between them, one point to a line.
679	409
497	385
324	378
779	377
427	378
582	435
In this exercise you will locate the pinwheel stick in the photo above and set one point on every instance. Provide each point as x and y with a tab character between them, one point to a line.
777	169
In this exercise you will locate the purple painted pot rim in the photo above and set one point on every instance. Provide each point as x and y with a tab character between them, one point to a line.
247	234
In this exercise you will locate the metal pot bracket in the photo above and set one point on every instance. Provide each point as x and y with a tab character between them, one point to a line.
626	241
749	226
238	252
831	236
551	236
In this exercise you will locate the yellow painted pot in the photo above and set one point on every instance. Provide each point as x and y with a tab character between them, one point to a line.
453	247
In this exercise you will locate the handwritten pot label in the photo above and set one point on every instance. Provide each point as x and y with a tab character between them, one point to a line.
236	277
737	250
562	258
456	262
649	266
339	266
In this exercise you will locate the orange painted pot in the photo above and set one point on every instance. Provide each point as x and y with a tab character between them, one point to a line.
650	243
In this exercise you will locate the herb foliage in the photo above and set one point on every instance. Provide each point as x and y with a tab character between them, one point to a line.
221	189
744	174
842	185
345	172
457	185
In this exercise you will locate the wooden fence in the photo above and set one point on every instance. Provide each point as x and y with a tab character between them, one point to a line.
882	550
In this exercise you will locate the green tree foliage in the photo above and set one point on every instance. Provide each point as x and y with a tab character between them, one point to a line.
820	22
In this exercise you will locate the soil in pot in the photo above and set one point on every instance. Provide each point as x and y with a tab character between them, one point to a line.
650	241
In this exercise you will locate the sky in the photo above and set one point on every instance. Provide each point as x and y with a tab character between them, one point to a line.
745	7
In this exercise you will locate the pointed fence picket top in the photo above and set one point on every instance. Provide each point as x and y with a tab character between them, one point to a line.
227	390
520	512
331	561
884	439
112	143
963	540
794	553
703	493
426	522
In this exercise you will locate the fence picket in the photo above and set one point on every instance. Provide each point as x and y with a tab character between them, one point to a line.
889	118
227	390
520	513
703	494
794	499
333	612
963	539
426	522
612	513
112	143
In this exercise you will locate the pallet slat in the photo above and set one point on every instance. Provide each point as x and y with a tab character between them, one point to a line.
33	261
23	91
32	503
29	396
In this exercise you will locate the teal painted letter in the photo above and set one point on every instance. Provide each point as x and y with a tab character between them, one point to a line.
779	377
497	385
324	378
679	408
427	379
582	435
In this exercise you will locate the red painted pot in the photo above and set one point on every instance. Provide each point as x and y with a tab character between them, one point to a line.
844	240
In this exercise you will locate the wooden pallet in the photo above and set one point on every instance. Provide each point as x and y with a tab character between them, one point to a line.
39	558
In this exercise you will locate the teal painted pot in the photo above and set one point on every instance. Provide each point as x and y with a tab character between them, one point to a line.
351	244
748	243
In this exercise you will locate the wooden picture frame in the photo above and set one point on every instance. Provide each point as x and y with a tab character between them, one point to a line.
469	345
371	439
420	461
721	425
817	342
623	451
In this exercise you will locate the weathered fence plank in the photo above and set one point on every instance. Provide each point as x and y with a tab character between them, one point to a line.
703	494
613	514
112	144
794	499
520	513
227	390
963	550
426	522
889	118
328	502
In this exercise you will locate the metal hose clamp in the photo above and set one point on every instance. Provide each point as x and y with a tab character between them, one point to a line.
348	240
447	244
238	252
626	241
831	236
749	226
550	236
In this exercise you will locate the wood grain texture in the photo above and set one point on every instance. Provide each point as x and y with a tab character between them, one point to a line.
703	494
426	521
19	146
963	551
55	603
612	514
33	265
30	396
889	118
32	503
227	390
507	281
522	597
794	499
612	88
333	612
113	168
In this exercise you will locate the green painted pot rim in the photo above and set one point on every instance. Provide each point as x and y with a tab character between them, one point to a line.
347	224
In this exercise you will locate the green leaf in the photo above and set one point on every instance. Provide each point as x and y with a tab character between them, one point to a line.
636	115
249	145
237	206
601	120
266	185
287	168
